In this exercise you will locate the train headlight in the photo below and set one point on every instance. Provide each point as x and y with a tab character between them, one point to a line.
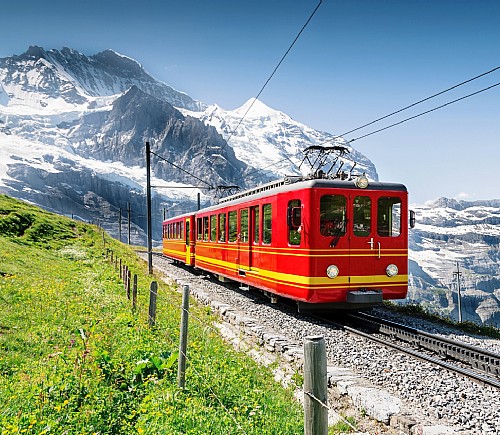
391	270
362	182
332	271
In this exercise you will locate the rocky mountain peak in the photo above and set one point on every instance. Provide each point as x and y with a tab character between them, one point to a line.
448	203
115	63
35	52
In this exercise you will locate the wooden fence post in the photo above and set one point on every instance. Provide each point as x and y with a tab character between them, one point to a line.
181	372
153	292
315	386
124	277
134	293
129	276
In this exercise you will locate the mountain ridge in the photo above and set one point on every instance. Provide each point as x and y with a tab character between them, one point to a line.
74	77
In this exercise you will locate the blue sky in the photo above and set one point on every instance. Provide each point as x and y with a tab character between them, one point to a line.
357	60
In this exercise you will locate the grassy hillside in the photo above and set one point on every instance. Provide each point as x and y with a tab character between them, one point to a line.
75	359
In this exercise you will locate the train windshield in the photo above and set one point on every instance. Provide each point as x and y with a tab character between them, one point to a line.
332	215
389	216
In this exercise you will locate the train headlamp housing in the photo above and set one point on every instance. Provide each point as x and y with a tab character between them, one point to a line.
332	271
362	182
391	270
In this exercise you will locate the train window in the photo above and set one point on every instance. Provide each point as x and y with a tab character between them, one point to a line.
233	226
294	221
244	225
256	223
389	216
332	215
267	224
181	236
199	229
222	227
213	228
177	230
205	228
362	216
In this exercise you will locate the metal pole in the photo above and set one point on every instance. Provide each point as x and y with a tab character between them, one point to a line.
181	372
148	206
199	200
315	386
120	225
128	219
458	275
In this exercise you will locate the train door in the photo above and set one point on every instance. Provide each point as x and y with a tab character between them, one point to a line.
334	236
244	246
187	235
391	241
254	235
362	243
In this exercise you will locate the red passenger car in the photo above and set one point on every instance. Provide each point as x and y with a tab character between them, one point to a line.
324	243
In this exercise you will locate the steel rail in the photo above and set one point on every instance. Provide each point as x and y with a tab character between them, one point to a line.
479	359
478	377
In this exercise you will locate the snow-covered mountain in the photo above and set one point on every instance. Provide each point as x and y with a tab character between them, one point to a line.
71	124
451	232
54	81
268	138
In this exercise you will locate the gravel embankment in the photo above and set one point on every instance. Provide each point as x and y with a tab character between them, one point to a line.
429	393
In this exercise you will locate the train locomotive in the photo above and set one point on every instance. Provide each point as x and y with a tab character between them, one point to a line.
324	243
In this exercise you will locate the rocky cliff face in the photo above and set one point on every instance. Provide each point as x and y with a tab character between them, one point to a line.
137	117
463	233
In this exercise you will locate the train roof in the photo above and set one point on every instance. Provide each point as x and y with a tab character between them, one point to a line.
289	184
297	183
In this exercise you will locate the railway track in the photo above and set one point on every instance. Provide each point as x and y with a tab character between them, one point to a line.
480	365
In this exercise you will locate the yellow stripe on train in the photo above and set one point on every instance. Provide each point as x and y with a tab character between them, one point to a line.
308	281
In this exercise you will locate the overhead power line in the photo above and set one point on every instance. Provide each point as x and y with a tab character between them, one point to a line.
274	71
405	108
424	113
183	170
421	101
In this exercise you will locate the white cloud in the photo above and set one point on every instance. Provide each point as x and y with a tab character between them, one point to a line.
462	195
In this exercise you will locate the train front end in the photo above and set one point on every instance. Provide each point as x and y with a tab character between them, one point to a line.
358	237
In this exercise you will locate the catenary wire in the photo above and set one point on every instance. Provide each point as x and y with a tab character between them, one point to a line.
183	170
231	134
424	113
398	111
244	115
420	101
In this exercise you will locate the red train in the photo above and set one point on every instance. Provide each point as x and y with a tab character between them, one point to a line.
323	243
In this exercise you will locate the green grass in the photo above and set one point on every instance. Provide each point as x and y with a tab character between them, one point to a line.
75	359
344	426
